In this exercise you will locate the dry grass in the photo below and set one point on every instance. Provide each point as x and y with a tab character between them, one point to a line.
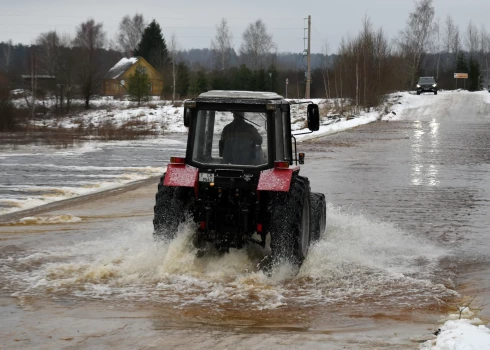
60	137
131	130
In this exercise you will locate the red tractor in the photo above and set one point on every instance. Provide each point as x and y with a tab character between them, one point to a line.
237	180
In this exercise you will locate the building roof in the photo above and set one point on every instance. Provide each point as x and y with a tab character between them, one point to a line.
122	66
37	76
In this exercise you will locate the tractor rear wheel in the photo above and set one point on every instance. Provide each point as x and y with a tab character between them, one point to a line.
172	204
290	224
319	215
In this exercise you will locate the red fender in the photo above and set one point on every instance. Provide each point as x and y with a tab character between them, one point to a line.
181	175
276	179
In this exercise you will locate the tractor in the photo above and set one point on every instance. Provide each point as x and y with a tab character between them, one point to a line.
239	181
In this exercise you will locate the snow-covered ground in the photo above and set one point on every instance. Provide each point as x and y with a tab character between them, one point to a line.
163	116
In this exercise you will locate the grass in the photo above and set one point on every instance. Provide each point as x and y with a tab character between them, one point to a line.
60	137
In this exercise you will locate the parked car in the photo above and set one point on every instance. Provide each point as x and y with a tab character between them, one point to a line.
426	84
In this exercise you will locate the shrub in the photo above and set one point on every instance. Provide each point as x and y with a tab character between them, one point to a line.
10	117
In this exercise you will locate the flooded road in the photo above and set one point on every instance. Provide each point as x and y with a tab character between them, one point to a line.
406	237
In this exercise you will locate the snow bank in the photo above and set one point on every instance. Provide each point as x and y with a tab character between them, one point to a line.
460	332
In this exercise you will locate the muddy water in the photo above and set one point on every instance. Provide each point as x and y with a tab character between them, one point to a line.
407	219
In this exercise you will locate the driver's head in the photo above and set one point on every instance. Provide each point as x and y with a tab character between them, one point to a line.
238	115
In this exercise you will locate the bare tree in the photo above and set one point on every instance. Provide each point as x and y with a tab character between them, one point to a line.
173	49
472	38
7	56
88	40
416	35
48	52
450	34
67	72
325	61
485	50
257	44
457	42
130	33
436	45
222	44
364	68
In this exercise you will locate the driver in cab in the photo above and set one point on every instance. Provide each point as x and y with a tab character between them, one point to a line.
239	140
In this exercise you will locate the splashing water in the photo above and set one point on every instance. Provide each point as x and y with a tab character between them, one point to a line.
358	261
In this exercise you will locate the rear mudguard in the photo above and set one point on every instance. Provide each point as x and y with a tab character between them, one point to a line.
276	179
181	175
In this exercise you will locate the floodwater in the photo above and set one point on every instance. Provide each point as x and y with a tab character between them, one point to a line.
406	236
34	175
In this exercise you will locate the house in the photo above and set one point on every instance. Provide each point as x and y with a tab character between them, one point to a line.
117	78
42	82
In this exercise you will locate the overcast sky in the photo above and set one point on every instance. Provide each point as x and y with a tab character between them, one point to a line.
194	22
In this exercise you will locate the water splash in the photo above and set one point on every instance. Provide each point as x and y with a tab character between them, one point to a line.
357	261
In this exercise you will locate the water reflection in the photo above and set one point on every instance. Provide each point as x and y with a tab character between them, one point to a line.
425	140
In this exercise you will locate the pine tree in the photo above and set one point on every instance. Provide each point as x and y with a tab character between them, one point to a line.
244	79
182	84
474	75
220	80
139	86
261	80
152	47
461	63
199	82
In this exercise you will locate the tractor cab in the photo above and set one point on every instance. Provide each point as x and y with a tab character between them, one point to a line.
237	129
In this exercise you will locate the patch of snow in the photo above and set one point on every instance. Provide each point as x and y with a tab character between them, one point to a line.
460	335
461	331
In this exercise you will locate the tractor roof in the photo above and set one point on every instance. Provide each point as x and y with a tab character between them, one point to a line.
241	95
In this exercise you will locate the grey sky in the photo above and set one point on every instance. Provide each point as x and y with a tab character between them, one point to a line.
194	22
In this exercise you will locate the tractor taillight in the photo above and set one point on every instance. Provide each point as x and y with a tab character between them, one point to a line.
259	228
281	165
202	225
301	158
177	160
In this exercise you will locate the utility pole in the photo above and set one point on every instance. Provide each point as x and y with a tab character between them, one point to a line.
308	60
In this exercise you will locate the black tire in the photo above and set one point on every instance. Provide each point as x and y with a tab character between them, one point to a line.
435	92
319	215
172	204
290	225
418	92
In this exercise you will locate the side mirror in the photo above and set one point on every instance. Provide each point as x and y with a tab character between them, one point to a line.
313	116
187	117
